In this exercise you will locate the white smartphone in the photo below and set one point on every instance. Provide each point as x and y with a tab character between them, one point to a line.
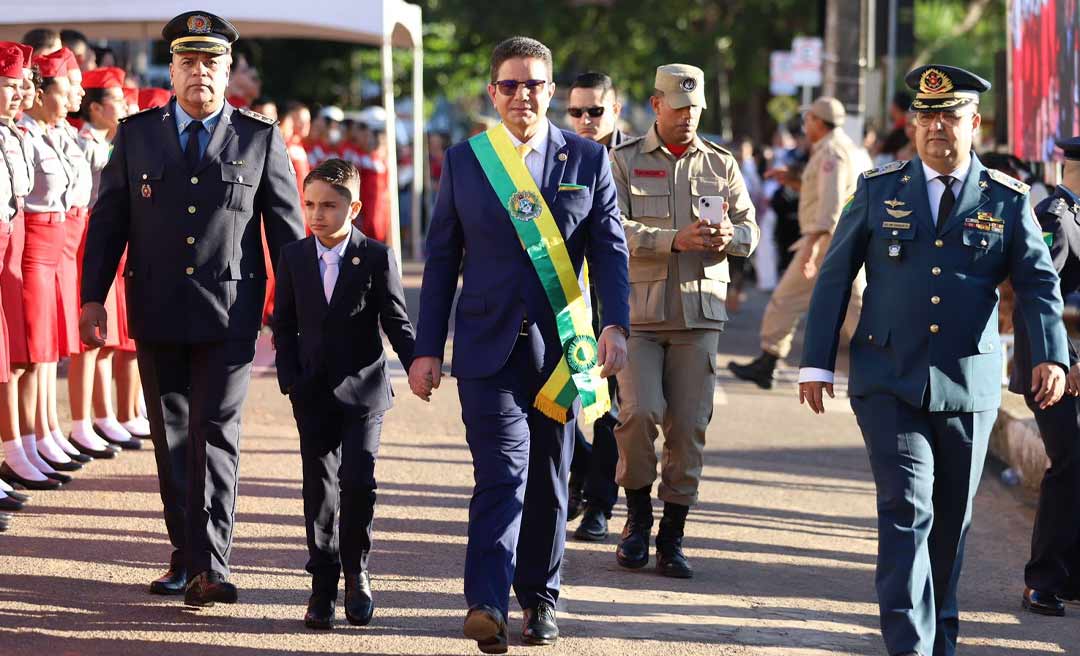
711	208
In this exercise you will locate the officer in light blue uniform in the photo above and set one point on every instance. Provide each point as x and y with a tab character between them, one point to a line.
936	235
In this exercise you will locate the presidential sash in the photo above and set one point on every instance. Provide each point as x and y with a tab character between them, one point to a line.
577	374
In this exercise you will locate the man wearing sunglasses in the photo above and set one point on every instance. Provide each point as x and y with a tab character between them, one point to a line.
679	277
594	113
519	209
936	236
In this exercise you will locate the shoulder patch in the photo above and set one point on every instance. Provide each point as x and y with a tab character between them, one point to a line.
1007	181
891	167
244	111
628	142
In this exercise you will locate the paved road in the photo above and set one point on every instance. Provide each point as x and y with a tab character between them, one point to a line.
783	543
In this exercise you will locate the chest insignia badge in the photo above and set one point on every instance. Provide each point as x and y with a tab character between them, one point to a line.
899	214
146	191
905	179
524	206
895	203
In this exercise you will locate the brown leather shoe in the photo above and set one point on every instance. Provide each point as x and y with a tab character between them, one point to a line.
209	588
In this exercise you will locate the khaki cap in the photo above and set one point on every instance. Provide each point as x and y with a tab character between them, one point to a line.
683	85
828	109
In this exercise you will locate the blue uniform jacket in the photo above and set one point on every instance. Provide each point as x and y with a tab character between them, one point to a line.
471	234
930	313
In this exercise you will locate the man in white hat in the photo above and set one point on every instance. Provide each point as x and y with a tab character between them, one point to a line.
827	181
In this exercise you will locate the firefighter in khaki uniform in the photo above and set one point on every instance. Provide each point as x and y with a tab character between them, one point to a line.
678	285
828	180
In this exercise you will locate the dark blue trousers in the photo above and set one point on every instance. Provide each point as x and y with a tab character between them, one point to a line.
926	467
1055	541
521	467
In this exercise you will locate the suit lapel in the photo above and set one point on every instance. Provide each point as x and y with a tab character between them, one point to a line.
555	164
170	137
309	270
353	262
223	134
971	196
912	194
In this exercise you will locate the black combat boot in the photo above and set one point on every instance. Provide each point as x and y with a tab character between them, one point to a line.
633	549
670	560
760	371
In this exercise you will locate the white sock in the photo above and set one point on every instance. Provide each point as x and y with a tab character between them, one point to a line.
29	445
48	448
15	458
136	426
140	405
4	487
3	495
60	439
83	433
112	428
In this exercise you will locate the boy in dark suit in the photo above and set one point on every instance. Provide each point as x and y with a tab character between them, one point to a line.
334	289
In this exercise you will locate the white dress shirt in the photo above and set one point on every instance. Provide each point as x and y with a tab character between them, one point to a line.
534	160
935	189
329	274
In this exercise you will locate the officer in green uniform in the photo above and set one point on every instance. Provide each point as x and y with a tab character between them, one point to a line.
936	235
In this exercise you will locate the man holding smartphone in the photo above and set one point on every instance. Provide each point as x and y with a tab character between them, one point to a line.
827	181
678	285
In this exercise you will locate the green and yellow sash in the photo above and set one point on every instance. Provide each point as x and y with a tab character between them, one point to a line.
577	373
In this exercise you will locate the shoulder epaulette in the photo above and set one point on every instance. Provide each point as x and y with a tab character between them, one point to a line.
627	142
891	167
1007	181
244	111
139	113
1059	207
717	147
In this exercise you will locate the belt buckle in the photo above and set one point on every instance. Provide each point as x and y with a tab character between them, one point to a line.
524	330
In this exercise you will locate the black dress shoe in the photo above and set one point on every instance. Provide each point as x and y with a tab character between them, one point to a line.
108	453
9	475
320	612
172	583
18	496
540	627
1069	596
9	503
359	605
60	476
80	457
671	561
1042	603
131	444
69	466
209	588
487	627
593	526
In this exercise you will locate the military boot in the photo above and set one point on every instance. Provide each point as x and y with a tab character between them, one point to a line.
633	549
670	560
761	371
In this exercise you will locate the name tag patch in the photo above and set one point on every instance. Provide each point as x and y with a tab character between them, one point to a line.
895	225
650	173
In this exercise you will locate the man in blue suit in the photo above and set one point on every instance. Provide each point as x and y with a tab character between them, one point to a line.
508	340
936	235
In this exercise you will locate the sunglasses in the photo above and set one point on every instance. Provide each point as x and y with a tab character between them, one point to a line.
510	87
578	112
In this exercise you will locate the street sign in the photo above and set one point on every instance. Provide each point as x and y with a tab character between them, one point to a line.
806	54
781	82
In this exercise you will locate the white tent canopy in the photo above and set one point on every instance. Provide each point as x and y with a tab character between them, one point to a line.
383	23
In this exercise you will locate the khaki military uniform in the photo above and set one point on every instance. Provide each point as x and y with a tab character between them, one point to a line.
677	307
828	180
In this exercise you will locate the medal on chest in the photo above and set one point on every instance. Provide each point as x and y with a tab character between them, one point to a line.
146	191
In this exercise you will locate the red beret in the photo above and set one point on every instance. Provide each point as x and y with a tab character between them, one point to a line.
70	59
153	97
27	54
11	60
131	95
52	65
103	78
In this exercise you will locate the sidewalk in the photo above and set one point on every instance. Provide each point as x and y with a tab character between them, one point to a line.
783	542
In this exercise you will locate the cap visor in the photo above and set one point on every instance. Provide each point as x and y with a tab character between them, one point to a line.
680	100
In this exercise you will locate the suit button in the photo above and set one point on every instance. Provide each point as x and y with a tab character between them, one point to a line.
869	338
934	328
194	180
935	299
189	270
895	233
938	243
190	240
143	176
191	209
982	243
239	178
936	271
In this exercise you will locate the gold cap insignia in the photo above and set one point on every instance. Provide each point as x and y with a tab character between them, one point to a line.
934	81
198	24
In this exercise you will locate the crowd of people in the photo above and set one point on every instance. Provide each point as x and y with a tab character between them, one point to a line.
108	212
